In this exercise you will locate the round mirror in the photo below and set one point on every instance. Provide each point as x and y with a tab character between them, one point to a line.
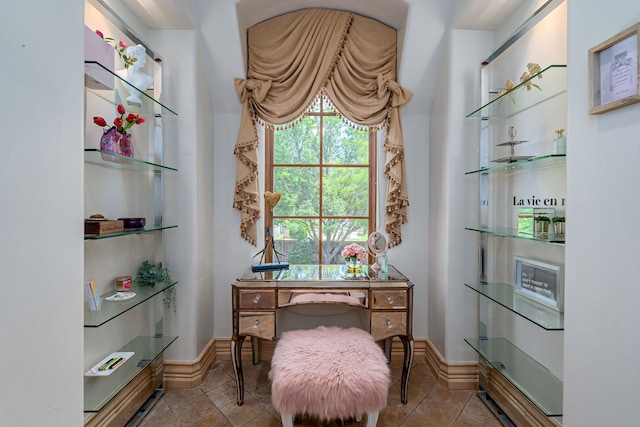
377	243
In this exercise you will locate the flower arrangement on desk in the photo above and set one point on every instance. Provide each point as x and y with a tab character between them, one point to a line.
121	48
353	252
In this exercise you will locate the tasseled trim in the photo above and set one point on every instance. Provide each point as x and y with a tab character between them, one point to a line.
321	96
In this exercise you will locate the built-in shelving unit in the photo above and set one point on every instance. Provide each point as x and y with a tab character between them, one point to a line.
504	294
552	81
112	309
138	381
541	386
94	156
99	391
149	108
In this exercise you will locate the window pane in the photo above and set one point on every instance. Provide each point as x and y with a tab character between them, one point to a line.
343	144
299	144
345	191
300	191
337	233
297	239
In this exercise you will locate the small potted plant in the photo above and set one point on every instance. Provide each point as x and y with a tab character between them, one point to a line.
542	224
149	275
558	224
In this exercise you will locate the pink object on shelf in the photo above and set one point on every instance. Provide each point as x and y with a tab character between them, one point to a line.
117	143
97	50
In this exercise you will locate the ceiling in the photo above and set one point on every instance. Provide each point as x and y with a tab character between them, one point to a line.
421	25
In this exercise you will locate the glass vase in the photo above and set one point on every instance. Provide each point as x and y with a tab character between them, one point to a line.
113	141
353	267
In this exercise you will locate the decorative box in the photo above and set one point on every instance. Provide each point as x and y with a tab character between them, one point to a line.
97	50
526	218
99	227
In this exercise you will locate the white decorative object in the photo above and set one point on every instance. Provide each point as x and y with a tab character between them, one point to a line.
139	81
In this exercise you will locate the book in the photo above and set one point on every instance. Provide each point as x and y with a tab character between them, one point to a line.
93	296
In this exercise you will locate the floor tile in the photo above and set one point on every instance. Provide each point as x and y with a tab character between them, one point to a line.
213	403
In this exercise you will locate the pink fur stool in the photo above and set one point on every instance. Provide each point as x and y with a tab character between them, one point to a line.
330	373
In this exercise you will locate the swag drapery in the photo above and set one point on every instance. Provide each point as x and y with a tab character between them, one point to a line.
296	58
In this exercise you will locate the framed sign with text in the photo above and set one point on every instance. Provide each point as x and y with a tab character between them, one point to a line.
613	71
540	282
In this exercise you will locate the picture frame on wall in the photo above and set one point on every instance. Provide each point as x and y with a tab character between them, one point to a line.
540	281
613	72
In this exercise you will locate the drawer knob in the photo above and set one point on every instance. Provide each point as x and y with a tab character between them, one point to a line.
390	300
389	324
256	324
256	300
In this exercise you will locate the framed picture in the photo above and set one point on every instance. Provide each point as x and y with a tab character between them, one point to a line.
613	71
540	282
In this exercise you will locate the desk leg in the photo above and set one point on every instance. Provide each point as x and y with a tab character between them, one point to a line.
236	358
407	343
387	348
254	350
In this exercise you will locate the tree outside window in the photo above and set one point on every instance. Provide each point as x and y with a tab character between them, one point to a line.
325	170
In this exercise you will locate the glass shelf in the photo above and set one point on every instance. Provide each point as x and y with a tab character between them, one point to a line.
524	165
112	309
99	390
512	232
147	229
552	81
503	294
541	386
149	108
94	157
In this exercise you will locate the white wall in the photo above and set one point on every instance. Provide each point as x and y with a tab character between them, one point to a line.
602	348
188	194
41	213
453	203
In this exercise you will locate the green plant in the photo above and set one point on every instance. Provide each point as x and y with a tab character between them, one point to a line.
149	274
542	219
557	219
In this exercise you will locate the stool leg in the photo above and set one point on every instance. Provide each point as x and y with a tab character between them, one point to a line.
372	419
287	420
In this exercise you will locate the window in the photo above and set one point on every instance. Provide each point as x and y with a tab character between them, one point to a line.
325	171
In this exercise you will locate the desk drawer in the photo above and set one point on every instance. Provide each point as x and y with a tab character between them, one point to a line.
388	324
389	299
261	325
257	298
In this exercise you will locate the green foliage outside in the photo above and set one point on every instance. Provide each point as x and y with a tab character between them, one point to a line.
301	179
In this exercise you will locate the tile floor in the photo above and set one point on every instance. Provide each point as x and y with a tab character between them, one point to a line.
213	403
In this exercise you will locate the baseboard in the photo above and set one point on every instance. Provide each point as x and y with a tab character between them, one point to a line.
189	374
185	374
453	375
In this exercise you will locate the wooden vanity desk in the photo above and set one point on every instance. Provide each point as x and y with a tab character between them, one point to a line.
385	300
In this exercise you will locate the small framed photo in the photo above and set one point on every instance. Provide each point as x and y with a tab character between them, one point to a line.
541	282
613	72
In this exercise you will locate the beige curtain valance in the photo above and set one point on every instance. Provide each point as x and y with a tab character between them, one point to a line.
297	57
